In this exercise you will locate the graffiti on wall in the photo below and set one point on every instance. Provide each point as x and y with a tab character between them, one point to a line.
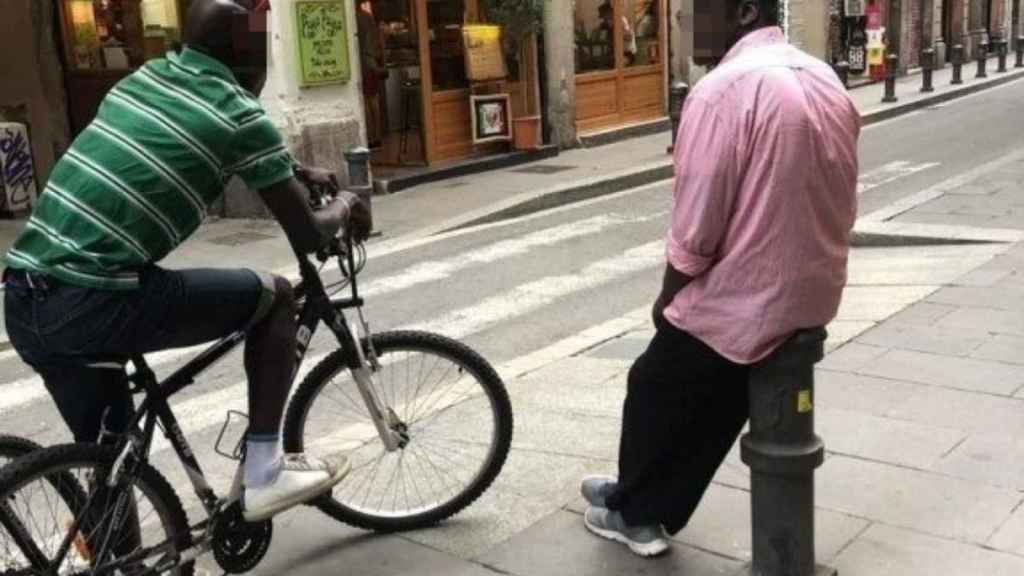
17	174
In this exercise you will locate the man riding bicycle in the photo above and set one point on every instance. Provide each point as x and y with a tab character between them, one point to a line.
84	292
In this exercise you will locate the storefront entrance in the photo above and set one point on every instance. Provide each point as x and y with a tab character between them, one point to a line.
417	92
105	40
620	62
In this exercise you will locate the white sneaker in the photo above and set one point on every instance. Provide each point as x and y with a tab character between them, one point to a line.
301	479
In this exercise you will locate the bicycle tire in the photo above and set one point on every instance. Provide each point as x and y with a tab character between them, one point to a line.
391	343
12	447
59	462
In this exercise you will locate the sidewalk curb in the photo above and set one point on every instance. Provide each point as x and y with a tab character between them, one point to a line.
586	189
873	117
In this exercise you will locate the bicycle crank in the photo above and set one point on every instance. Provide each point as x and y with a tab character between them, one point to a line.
239	546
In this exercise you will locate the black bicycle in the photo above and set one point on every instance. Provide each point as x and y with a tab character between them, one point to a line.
424	420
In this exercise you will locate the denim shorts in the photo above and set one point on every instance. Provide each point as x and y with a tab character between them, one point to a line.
79	339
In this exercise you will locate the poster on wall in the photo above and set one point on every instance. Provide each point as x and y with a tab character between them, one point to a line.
323	42
491	118
17	173
485	60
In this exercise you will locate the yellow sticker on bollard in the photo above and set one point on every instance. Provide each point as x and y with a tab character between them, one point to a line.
803	402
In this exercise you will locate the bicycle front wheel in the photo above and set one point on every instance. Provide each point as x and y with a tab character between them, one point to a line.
61	518
446	400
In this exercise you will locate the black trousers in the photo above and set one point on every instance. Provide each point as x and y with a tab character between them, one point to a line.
684	409
78	339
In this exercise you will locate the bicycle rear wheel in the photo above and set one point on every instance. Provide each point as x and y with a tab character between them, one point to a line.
450	403
137	527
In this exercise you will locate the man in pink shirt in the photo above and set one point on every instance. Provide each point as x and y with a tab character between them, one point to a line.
765	198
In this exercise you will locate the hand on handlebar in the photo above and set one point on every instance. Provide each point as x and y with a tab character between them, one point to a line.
359	222
323	180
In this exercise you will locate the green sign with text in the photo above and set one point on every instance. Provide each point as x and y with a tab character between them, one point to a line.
323	42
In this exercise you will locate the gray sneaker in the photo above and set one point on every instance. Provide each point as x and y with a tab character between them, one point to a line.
595	489
644	541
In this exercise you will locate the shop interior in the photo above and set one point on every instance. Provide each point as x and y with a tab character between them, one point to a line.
104	40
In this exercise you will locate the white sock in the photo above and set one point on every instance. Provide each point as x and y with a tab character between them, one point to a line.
262	459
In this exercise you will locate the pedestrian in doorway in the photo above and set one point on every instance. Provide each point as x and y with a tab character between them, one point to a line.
764	201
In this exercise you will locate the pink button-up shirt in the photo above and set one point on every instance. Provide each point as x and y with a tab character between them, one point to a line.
765	197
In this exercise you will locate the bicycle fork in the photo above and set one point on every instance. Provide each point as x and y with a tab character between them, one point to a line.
389	427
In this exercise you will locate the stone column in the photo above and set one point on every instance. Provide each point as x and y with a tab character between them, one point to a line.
808	26
977	27
894	29
560	63
319	124
935	32
680	20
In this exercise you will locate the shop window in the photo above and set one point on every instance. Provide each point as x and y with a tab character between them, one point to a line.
640	31
119	34
447	61
594	31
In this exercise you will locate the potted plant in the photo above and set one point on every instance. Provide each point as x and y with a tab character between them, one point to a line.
520	21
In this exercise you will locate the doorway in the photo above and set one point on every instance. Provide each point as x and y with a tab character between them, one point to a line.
392	83
620	62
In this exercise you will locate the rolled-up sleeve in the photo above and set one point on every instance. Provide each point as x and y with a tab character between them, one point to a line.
706	168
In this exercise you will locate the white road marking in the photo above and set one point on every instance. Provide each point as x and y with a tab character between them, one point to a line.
890	173
206	410
30	389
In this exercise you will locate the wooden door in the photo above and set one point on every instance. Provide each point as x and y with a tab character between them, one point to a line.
632	88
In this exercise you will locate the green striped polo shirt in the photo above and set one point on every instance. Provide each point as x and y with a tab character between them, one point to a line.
138	180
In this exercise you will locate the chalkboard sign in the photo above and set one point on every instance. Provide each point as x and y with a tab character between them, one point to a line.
323	42
485	60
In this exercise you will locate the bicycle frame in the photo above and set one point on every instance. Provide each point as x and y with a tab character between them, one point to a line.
155	408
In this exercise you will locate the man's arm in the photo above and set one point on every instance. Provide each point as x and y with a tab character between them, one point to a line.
306	230
673	282
705	190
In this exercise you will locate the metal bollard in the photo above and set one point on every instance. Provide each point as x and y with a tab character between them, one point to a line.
676	98
982	58
358	160
927	66
1003	51
1020	52
892	63
958	64
843	72
782	452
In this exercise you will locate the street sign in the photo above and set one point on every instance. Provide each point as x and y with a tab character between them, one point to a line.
323	42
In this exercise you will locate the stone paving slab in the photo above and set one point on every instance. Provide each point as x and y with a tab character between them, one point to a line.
722	525
949	371
994	459
982	413
995	320
927	338
560	545
883	439
851	356
531	486
889	551
845	391
1010	536
1003	348
338	549
921	313
922	501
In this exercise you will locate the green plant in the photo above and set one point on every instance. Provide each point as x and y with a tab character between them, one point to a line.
519	19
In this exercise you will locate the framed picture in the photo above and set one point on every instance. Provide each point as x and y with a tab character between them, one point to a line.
492	119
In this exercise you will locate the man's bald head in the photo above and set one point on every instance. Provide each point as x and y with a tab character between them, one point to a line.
227	31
